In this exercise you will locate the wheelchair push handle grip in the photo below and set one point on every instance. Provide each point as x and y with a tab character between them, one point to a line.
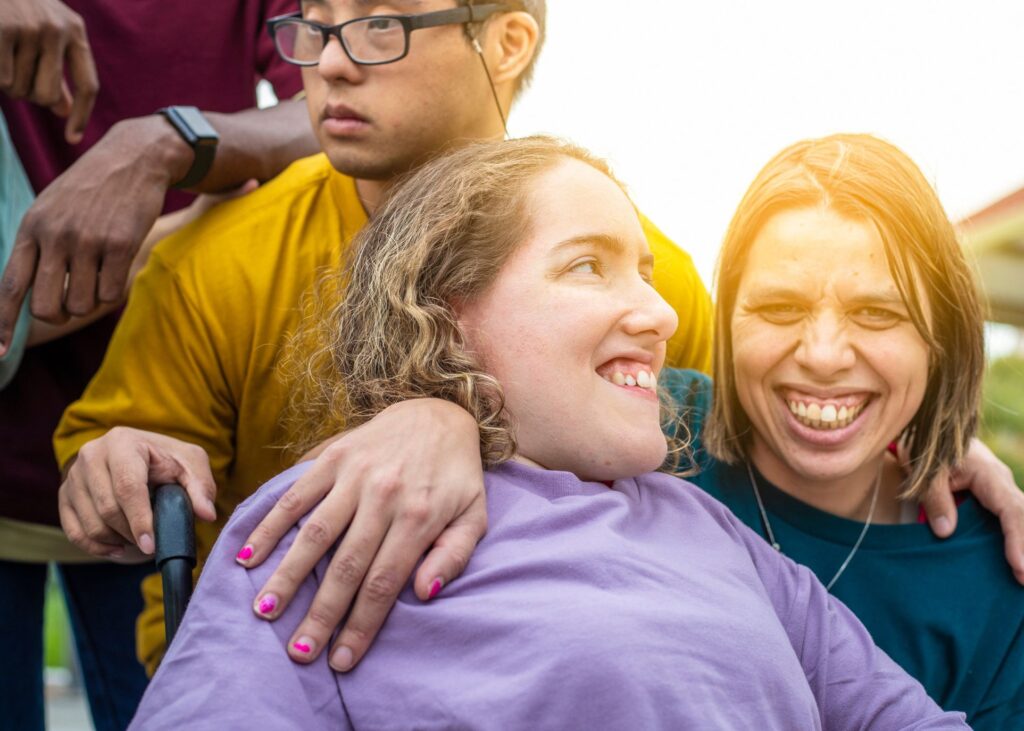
175	538
173	525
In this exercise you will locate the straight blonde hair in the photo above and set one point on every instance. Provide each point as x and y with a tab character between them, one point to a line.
866	179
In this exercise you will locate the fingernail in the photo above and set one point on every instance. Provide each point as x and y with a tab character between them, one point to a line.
304	645
266	604
341	659
212	508
146	543
942	525
435	587
245	554
116	553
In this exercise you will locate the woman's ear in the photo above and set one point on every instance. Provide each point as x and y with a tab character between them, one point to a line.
468	321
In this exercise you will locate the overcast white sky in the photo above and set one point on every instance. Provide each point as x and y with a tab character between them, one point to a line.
688	99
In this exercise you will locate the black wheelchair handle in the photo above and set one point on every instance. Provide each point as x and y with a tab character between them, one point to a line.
173	525
175	537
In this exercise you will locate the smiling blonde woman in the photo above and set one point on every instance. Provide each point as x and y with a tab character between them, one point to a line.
847	320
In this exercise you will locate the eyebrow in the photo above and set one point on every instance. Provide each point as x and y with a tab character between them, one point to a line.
364	3
772	292
610	244
406	3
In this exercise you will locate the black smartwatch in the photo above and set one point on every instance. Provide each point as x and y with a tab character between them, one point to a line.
200	136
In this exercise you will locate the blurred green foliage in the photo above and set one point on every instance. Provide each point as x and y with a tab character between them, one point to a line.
1002	412
57	627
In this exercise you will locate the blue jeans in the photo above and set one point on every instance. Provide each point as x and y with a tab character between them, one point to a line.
104	600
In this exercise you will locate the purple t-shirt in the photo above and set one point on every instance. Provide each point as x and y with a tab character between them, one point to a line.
647	605
148	54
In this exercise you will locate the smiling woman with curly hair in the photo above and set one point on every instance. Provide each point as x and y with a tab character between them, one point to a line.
515	280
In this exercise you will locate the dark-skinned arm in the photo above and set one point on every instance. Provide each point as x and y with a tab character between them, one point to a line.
88	224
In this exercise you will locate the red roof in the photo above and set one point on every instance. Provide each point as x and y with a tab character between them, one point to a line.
1001	208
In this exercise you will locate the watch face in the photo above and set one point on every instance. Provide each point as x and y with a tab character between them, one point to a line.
192	125
199	135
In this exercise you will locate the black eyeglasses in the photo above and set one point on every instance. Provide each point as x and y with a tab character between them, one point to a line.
370	41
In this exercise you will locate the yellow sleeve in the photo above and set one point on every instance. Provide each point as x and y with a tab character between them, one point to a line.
168	369
676	279
164	371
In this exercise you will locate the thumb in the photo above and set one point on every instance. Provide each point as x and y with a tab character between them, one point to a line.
82	71
451	551
63	107
206	201
201	490
939	506
193	474
248	186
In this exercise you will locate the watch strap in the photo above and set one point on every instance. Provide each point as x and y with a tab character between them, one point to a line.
197	132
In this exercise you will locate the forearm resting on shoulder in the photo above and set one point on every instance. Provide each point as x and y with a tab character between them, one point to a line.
258	143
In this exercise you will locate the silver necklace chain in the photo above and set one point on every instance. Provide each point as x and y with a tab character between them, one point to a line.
853	551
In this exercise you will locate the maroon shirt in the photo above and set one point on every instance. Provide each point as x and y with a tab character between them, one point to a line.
149	54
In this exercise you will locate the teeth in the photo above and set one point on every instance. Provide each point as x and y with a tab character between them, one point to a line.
828	416
643	379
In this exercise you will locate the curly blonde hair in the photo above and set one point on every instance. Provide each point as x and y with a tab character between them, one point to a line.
383	329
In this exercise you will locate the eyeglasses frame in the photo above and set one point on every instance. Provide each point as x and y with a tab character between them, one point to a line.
460	15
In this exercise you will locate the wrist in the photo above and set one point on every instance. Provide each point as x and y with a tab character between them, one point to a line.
194	128
158	146
437	412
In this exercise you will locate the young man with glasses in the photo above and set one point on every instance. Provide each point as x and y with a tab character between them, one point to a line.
191	389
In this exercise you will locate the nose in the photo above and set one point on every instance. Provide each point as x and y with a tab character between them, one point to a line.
649	313
825	348
336	65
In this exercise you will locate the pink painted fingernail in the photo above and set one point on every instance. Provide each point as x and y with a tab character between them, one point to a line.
245	554
267	604
435	587
304	645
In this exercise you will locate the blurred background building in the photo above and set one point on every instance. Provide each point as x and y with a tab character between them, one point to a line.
994	239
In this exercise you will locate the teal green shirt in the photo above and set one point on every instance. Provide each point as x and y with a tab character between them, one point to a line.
15	199
949	611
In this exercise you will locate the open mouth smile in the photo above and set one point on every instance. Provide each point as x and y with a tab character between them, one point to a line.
826	414
629	374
